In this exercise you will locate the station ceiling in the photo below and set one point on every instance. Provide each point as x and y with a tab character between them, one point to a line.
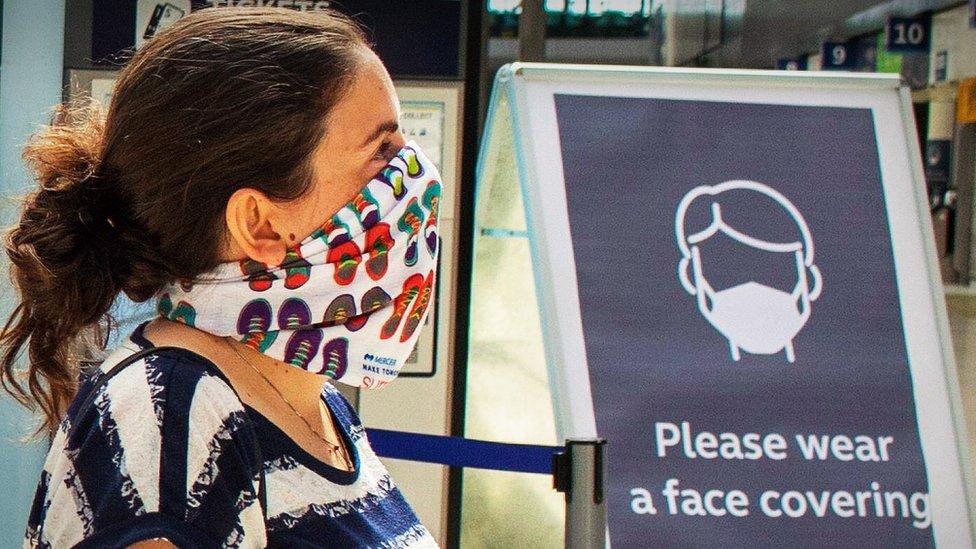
771	29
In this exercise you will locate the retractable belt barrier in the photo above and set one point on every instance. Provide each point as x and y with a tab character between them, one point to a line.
463	452
577	470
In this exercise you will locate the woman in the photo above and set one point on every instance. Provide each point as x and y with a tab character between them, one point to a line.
251	178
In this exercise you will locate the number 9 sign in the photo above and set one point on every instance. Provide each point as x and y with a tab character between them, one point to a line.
836	56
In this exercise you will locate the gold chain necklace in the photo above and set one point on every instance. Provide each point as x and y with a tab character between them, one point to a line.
334	448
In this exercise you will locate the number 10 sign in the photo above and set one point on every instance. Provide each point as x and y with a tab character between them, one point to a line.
908	34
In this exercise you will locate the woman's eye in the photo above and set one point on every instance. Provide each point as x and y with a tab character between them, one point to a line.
385	151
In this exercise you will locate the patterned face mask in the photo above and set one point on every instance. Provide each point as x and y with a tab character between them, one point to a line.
349	300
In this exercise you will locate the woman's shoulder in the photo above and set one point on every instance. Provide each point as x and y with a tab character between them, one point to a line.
148	382
160	434
154	403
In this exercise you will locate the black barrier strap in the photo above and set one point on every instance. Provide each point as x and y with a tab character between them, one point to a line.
463	452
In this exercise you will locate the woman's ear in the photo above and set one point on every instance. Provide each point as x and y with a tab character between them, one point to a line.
252	224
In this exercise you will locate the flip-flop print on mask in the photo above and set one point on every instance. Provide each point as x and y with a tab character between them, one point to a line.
259	278
366	208
183	312
410	223
431	201
336	358
340	310
333	232
411	288
345	257
419	308
294	314
297	270
378	242
304	342
414	167
302	346
374	299
254	322
164	305
393	176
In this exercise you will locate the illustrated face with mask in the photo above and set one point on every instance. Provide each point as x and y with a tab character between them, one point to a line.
754	317
348	301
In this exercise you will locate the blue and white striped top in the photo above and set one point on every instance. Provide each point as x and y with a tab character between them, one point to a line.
167	449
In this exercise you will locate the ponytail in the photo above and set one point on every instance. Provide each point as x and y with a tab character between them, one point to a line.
65	264
135	198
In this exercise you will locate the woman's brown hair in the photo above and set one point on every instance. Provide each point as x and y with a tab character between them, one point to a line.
225	98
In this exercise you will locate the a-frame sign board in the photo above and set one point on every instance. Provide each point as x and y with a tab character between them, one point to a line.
737	287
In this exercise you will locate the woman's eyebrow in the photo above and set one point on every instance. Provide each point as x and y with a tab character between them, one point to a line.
389	126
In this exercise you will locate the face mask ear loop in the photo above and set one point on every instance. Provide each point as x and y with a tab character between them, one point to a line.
801	290
683	277
814	292
703	290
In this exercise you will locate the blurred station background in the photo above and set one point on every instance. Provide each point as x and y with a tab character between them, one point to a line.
480	371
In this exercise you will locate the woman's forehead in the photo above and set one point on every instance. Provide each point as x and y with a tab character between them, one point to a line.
370	101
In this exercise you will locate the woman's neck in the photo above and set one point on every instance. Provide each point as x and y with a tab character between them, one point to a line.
288	396
236	360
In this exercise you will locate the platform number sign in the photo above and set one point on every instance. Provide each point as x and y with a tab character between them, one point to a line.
837	56
792	64
908	34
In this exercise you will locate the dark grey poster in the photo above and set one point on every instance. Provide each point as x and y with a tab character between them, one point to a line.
742	324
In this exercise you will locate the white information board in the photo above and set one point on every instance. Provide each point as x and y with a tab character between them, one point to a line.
738	288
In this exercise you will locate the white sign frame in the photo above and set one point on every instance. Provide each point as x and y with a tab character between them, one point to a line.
526	91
